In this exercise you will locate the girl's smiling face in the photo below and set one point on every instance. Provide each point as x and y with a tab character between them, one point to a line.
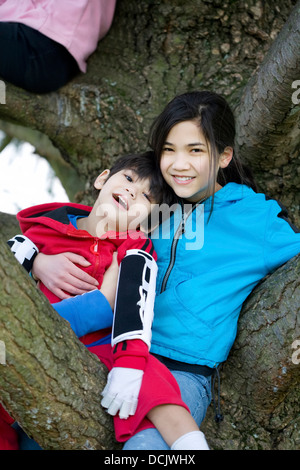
185	161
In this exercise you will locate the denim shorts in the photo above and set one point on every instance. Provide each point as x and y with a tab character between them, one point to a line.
196	393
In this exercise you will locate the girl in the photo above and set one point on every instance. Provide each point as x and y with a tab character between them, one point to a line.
218	244
201	286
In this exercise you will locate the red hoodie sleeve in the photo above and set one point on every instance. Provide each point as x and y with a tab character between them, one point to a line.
8	436
136	241
131	353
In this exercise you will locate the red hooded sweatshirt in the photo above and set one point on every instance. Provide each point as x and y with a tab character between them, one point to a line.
49	227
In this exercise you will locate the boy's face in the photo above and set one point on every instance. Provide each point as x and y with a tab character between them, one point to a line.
124	201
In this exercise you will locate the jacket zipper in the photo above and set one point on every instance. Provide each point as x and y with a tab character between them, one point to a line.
179	232
95	250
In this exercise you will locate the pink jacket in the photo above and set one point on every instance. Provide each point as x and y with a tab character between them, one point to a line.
76	24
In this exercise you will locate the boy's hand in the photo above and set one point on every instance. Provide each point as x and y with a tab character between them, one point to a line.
59	273
121	391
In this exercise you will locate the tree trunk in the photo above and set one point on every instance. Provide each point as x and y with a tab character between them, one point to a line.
154	51
9	226
272	149
49	382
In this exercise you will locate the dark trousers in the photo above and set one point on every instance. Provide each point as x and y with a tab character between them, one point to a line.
32	61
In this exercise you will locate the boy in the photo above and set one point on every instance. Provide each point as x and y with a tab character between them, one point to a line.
125	200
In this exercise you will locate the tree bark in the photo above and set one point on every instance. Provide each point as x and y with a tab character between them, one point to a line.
9	226
268	118
50	382
154	51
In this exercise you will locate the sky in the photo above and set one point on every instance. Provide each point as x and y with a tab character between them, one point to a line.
26	179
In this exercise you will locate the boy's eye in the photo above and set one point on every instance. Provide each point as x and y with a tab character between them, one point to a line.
128	177
147	196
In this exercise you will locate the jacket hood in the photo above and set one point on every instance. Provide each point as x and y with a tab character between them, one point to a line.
228	194
56	216
53	215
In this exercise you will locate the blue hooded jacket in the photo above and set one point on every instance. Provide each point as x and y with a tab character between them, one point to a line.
206	274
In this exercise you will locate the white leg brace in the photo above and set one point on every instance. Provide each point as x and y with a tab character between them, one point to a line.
24	250
133	314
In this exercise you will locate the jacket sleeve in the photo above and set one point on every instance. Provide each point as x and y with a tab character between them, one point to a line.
24	250
136	241
86	313
282	239
132	354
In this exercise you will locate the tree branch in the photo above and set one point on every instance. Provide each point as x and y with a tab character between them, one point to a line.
9	226
267	98
268	122
67	174
50	383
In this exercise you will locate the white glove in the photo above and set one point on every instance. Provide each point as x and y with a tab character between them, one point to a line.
121	391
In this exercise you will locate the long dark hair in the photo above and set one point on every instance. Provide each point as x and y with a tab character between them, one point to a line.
215	118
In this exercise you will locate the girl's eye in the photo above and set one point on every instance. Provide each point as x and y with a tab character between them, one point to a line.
128	177
147	196
167	149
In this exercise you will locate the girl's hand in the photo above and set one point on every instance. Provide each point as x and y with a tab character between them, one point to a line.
59	273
